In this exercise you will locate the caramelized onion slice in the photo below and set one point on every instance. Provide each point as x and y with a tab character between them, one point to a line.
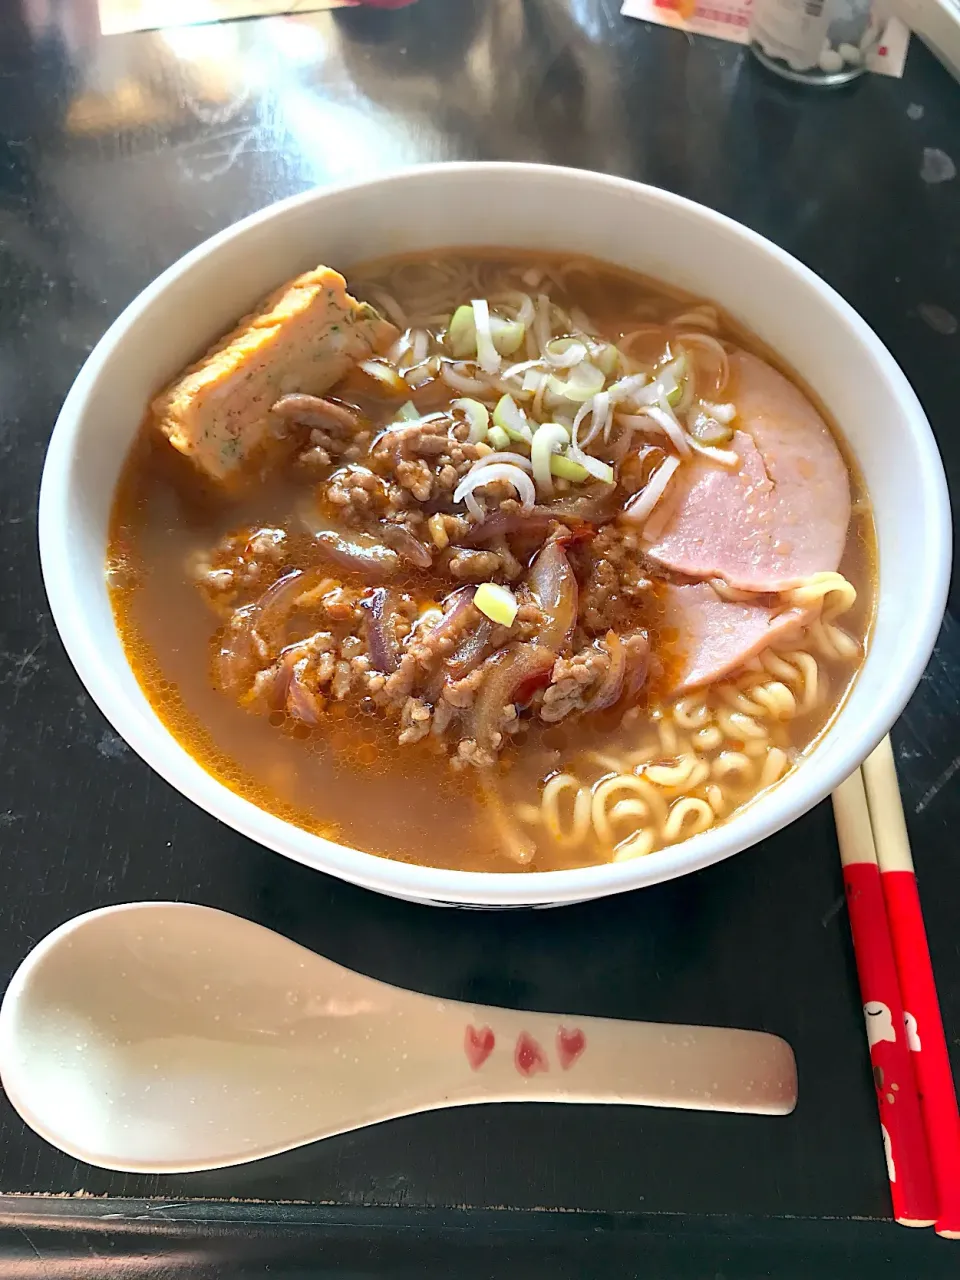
455	608
312	411
410	548
384	654
302	702
471	650
553	583
372	559
610	688
239	655
507	671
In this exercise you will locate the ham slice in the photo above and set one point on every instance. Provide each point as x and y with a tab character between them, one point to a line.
778	518
717	636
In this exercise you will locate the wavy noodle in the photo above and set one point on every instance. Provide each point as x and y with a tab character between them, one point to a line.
688	817
574	833
636	846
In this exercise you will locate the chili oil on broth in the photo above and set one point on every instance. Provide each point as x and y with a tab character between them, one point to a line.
349	780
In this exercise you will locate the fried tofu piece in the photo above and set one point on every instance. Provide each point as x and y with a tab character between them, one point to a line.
305	338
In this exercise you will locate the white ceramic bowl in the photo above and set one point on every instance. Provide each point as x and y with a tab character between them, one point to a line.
638	227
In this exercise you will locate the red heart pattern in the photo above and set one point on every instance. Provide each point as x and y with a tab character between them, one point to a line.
528	1057
478	1045
571	1043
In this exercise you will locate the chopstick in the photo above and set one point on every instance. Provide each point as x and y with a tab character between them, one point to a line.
901	1123
925	1036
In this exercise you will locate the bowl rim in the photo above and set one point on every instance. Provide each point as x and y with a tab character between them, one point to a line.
151	739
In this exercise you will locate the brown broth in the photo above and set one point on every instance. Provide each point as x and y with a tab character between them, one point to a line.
349	780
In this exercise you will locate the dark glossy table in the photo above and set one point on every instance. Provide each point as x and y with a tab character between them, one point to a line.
117	156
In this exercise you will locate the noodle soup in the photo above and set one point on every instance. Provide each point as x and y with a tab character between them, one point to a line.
566	569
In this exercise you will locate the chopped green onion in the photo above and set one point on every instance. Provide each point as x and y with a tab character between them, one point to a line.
581	384
548	440
478	416
512	420
564	353
724	413
462	333
407	413
607	358
498	438
565	468
507	335
498	603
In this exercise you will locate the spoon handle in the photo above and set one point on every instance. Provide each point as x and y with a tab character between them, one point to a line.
534	1056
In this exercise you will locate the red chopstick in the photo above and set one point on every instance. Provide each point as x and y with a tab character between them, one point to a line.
901	1123
925	1037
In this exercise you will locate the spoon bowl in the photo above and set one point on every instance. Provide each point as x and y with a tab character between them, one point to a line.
169	1038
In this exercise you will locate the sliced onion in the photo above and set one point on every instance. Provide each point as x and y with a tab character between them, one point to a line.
722	413
670	426
514	459
563	353
312	411
382	646
582	382
455	609
548	440
409	547
419	345
611	686
488	357
706	429
479	476
703	315
521	303
470	650
389	305
600	409
542	325
599	470
627	388
514	370
300	701
507	671
453	375
723	457
369	558
639	508
384	373
707	343
553	583
478	416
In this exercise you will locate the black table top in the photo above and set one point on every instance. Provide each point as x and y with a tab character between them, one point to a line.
119	154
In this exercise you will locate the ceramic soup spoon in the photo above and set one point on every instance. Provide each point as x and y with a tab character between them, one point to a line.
166	1038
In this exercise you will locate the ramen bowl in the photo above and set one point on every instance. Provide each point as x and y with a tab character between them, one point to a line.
636	227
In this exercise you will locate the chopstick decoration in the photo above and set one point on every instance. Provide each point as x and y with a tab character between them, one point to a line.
901	1123
924	1026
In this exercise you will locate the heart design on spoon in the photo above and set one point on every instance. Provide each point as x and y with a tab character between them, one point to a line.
571	1042
478	1045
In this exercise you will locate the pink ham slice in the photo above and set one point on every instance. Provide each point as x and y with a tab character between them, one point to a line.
779	517
717	636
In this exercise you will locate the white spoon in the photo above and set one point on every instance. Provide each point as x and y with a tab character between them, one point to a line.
166	1038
